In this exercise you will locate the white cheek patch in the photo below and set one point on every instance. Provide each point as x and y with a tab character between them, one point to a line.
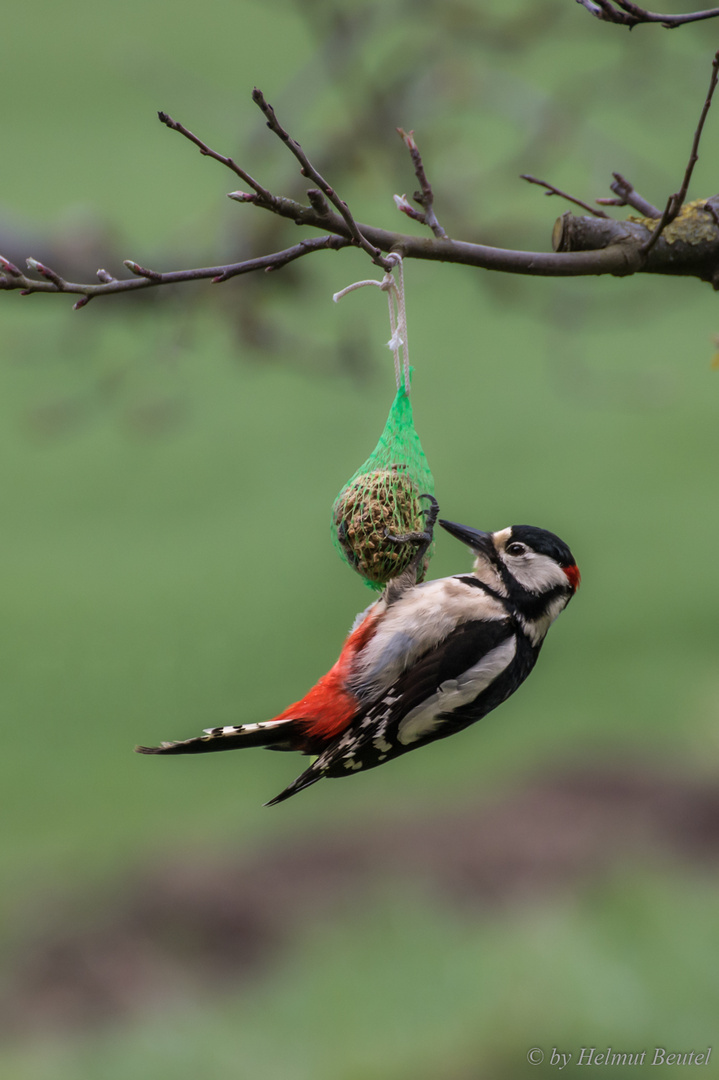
453	693
538	573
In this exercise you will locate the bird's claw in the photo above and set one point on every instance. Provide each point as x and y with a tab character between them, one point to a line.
416	569
430	517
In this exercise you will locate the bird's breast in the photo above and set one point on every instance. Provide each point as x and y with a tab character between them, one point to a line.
414	625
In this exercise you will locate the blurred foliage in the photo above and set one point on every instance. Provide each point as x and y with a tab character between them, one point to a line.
168	466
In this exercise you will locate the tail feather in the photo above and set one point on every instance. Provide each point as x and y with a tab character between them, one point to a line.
310	776
272	734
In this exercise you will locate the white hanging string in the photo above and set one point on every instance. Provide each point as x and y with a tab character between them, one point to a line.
397	316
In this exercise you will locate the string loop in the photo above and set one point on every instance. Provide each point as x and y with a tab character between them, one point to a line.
397	316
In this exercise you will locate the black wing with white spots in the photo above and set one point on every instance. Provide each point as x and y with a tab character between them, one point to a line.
472	671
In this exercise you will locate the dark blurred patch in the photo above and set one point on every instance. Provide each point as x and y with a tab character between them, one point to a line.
156	416
196	924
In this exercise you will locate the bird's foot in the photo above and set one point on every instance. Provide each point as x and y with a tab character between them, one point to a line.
423	540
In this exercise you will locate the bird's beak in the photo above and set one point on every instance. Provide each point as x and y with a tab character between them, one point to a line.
477	540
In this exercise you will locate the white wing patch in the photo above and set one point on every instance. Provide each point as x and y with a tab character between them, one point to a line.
416	623
453	693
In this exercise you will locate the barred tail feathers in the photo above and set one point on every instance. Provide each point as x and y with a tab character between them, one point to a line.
272	734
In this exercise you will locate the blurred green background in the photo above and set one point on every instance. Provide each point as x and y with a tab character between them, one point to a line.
167	466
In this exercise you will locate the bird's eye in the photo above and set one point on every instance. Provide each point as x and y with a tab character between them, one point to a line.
516	548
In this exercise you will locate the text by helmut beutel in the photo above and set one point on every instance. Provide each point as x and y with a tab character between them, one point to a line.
592	1055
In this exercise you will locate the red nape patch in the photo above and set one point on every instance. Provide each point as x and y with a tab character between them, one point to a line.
573	576
328	708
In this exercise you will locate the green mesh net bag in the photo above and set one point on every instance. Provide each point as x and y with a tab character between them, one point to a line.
383	498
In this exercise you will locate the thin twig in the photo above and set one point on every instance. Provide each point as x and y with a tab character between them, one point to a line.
145	279
47	273
307	169
676	201
207	151
602	9
667	21
7	267
142	271
405	207
425	196
627	196
552	190
629	14
261	196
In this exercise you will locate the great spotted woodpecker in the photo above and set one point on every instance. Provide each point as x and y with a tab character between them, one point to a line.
422	662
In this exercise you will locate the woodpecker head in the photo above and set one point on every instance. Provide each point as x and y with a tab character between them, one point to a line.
532	567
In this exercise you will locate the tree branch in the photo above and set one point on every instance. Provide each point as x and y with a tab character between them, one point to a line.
626	13
13	278
689	247
676	201
627	196
207	151
307	169
425	196
582	246
552	190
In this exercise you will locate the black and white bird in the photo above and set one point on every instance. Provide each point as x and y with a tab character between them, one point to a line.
422	662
